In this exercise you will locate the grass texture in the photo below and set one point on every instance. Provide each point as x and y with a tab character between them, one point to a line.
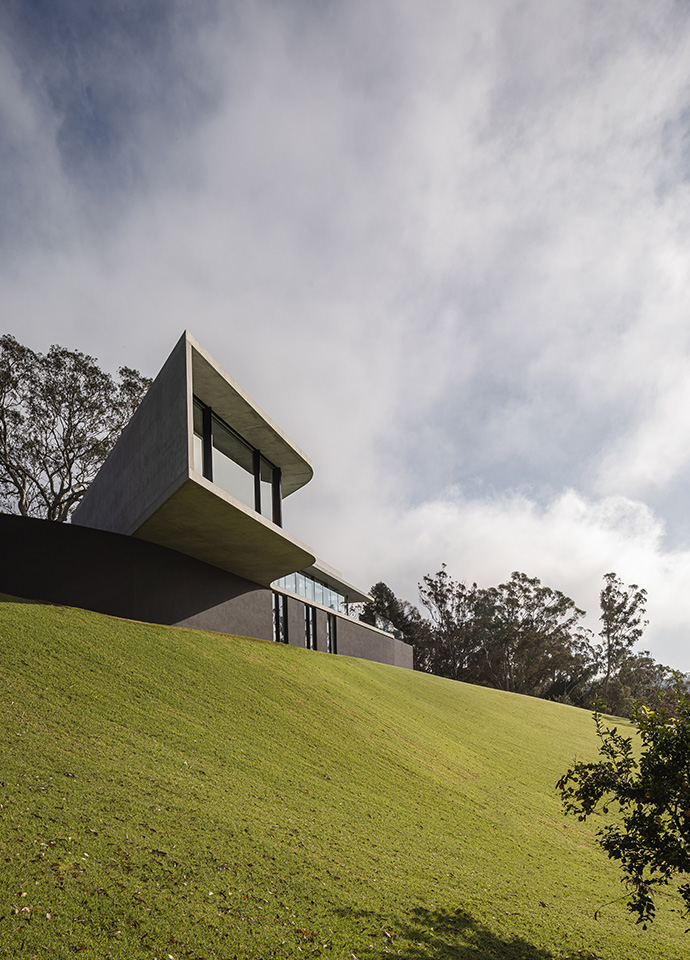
170	793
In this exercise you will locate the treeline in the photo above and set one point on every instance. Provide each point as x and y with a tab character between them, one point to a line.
528	638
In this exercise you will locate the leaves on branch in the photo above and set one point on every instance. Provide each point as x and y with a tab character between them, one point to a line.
60	416
649	798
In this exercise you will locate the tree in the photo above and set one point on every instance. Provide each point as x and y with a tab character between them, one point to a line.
520	636
454	644
386	609
622	610
638	679
60	415
651	836
533	643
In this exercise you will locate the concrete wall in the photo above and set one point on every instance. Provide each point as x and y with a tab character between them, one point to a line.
358	640
150	460
295	622
321	629
354	639
126	577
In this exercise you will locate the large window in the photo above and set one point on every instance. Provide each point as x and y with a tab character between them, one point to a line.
224	457
313	590
233	463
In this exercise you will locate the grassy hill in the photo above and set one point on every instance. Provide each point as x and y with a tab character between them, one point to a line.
173	793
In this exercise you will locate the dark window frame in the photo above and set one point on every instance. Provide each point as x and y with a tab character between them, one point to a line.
331	633
310	640
280	618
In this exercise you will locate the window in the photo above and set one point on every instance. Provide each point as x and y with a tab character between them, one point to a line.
331	633
265	488
301	585
198	437
226	459
233	463
312	589
309	627
287	583
280	620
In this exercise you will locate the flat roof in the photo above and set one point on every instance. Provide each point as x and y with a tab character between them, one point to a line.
334	579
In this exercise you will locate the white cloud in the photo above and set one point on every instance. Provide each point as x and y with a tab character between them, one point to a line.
445	248
569	544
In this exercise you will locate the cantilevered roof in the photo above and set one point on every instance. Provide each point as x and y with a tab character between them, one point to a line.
203	521
218	390
332	578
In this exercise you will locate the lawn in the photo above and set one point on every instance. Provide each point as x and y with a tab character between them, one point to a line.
174	793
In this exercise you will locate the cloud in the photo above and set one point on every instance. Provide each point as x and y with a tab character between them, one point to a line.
568	543
445	249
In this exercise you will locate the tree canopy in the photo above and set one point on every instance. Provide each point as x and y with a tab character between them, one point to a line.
60	415
622	624
386	611
528	638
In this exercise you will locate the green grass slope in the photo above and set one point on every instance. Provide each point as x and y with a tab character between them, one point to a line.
173	793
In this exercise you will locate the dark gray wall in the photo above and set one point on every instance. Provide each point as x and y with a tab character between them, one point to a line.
358	640
320	629
295	622
126	577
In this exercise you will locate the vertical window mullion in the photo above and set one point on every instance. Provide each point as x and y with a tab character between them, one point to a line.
256	464
207	438
277	497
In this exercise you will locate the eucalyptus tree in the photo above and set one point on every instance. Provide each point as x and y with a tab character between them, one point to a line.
385	607
458	612
622	625
533	642
60	415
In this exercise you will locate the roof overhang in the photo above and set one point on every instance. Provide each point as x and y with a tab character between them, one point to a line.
227	398
332	578
202	521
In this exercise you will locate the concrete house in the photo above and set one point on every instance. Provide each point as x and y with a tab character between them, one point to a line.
183	525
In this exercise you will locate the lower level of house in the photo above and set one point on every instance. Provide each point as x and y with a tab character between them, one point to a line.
127	577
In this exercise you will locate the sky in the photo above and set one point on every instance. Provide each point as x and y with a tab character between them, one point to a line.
444	244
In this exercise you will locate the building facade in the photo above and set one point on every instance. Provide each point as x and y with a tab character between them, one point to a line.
192	493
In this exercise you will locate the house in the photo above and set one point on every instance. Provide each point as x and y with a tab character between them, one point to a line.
190	499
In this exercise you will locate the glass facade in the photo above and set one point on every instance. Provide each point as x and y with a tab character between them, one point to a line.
311	589
235	465
198	437
233	461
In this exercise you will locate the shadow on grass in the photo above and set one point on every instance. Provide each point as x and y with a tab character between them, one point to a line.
455	935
